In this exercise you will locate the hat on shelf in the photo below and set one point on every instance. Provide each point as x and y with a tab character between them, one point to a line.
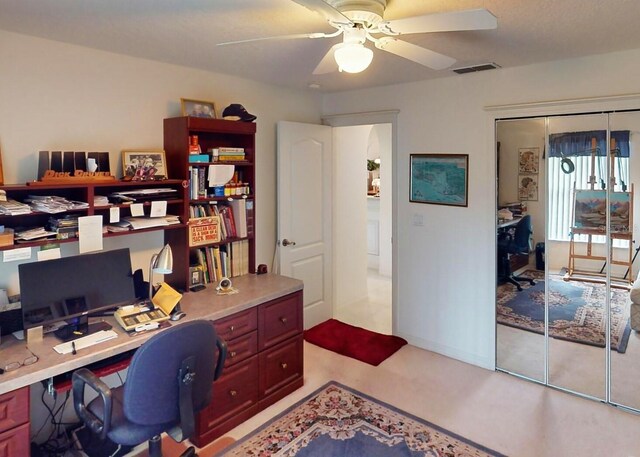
237	112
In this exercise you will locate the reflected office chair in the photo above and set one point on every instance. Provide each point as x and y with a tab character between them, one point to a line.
169	380
518	242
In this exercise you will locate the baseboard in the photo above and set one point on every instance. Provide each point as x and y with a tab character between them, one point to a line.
488	363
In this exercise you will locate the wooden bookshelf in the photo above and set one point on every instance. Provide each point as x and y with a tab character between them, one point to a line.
211	133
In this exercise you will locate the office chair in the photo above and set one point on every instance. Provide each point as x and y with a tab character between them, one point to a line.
169	380
517	243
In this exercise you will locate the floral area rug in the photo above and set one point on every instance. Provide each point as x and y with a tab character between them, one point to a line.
576	310
339	421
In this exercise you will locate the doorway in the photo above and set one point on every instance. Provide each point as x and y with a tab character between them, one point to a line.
362	188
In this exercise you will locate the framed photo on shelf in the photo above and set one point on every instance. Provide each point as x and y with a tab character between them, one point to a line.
198	108
529	160
439	179
196	279
528	187
144	165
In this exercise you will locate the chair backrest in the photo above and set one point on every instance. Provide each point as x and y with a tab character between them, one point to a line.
151	390
522	237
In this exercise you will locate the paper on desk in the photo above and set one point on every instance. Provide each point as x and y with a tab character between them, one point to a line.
137	209
158	208
166	298
90	233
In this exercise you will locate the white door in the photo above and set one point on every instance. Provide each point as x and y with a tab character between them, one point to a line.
304	213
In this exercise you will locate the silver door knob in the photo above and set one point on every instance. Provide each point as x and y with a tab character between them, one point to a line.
286	242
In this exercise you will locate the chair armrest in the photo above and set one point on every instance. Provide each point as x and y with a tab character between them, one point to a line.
80	379
222	356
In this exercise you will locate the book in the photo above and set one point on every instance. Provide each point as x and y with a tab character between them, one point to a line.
202	183
239	208
249	217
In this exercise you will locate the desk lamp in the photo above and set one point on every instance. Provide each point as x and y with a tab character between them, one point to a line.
161	263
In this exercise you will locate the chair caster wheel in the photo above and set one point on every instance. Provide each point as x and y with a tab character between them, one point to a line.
532	282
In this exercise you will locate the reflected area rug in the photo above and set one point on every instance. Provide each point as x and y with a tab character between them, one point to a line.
576	310
355	342
336	420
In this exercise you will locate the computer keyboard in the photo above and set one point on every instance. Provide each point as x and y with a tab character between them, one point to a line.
85	341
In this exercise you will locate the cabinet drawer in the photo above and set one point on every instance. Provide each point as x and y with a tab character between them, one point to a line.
279	319
235	391
15	442
280	365
14	409
237	324
241	348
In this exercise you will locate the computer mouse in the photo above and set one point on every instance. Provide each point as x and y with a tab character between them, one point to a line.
177	316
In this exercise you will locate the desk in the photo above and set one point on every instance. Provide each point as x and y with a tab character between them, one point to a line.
516	261
253	291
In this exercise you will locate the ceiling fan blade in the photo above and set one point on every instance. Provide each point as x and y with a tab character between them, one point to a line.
328	63
326	10
415	53
479	19
279	37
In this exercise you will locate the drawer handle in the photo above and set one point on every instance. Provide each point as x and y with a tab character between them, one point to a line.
284	365
232	354
283	320
231	328
233	393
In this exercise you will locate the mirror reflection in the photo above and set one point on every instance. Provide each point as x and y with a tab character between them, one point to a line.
520	255
565	253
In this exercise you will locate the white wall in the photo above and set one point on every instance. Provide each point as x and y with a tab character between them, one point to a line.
350	214
446	268
56	96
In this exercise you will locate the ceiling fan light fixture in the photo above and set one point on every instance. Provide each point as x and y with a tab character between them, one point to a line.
353	57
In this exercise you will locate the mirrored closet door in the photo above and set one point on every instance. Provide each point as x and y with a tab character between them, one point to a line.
565	252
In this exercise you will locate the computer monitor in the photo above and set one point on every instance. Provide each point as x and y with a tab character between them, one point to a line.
70	288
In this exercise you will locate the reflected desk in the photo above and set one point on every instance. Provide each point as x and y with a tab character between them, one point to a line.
516	261
262	325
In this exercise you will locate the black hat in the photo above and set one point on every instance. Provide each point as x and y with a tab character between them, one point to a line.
236	112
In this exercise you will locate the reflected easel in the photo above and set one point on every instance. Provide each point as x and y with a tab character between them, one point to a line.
590	218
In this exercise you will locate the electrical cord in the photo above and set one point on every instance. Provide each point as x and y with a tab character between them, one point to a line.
54	446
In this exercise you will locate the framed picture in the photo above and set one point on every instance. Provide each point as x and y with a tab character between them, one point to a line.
590	210
440	179
529	160
144	165
528	187
196	279
198	108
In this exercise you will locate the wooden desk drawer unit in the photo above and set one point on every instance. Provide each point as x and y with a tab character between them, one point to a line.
237	324
14	423
262	366
241	348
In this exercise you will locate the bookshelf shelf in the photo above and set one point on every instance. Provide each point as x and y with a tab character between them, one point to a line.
239	250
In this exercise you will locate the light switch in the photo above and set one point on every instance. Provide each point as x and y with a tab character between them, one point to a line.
418	220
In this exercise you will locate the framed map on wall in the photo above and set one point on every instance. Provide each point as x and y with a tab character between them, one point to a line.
439	179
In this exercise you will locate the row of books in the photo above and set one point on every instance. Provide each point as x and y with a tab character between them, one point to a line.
229	154
236	217
217	262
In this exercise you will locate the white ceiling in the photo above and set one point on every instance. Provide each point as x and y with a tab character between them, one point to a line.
185	32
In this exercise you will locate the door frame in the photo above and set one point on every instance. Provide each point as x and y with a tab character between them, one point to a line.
371	118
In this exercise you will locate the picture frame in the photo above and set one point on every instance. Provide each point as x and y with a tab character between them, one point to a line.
528	160
144	165
196	279
198	108
439	179
528	187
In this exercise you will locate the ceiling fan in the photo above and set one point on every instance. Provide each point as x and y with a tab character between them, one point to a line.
360	21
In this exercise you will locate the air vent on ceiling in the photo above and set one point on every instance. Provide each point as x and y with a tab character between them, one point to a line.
474	68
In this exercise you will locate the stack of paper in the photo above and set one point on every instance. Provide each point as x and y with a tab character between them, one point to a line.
33	234
148	222
52	204
13	207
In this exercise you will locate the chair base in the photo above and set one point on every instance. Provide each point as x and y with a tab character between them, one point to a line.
513	279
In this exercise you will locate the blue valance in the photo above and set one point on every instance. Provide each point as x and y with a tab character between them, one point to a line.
579	143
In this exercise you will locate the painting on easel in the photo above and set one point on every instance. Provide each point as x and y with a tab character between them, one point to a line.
590	210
